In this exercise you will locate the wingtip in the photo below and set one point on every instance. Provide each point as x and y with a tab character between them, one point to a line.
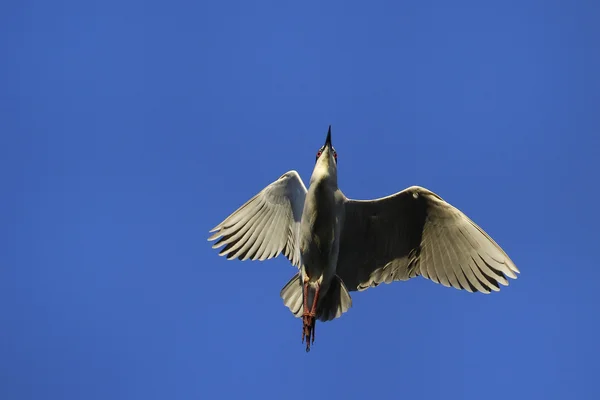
503	281
511	273
494	288
214	236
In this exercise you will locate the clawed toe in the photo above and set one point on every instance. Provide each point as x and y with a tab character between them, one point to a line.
309	317
308	329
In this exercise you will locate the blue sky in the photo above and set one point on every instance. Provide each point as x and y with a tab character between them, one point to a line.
131	128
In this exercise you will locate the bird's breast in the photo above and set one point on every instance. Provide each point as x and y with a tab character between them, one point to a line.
319	232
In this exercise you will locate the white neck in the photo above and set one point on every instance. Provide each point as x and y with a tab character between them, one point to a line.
325	169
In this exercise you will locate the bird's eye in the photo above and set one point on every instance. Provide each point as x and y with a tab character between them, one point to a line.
335	155
319	153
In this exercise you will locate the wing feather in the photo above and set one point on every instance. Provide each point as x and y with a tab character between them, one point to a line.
415	232
266	225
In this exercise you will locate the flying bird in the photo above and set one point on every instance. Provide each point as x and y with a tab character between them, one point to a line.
341	245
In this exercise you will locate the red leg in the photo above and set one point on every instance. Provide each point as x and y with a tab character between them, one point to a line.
309	318
305	313
313	312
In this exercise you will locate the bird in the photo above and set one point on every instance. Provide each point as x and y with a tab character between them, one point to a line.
340	245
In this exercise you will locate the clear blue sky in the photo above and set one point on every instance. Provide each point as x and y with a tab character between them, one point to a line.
128	129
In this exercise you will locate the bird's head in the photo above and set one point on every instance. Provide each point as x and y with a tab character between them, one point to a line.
327	151
326	160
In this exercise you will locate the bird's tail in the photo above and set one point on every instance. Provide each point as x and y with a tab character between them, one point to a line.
292	296
336	301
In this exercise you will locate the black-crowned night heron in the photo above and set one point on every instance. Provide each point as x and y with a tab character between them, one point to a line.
342	245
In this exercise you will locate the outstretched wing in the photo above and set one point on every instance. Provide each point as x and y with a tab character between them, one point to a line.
414	232
266	225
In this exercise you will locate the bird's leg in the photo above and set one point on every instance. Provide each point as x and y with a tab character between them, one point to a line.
313	312
305	314
309	318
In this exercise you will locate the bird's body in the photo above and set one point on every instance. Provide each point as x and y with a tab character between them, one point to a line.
342	245
320	229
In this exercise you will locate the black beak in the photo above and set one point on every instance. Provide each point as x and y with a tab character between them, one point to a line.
328	140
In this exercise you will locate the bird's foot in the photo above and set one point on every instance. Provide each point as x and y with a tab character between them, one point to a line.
308	329
309	317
